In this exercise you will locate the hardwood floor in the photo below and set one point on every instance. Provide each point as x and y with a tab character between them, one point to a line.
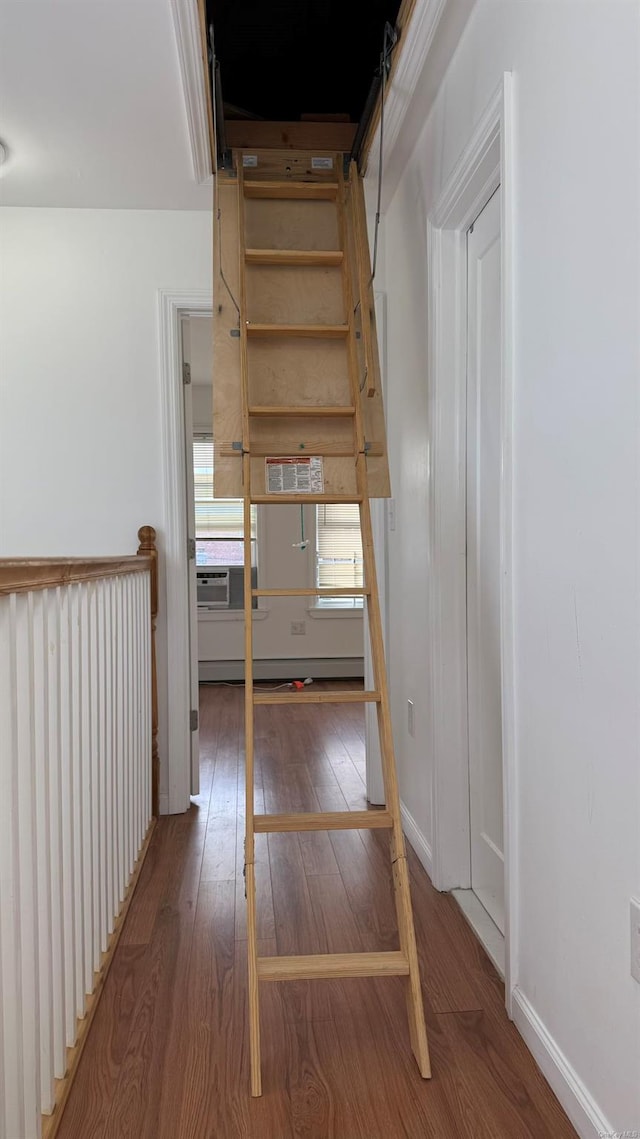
167	1055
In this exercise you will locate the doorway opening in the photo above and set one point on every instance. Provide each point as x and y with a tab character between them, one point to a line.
483	902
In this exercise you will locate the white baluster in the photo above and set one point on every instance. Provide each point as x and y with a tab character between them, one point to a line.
27	867
10	1032
146	759
94	813
136	664
102	692
77	685
86	786
52	634
127	717
66	725
40	718
109	752
120	746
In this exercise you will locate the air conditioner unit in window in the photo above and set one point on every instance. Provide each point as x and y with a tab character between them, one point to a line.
213	588
222	587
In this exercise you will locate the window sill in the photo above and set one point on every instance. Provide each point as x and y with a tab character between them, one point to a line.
323	613
230	614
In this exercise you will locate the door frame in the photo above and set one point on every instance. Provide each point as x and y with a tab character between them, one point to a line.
172	306
192	580
485	164
373	753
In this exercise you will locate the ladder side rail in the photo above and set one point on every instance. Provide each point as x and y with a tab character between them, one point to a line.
402	895
244	319
390	779
352	345
249	846
392	798
365	281
249	842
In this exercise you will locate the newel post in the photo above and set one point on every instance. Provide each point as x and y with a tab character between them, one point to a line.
148	549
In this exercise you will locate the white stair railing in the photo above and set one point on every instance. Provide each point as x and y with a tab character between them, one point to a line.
75	807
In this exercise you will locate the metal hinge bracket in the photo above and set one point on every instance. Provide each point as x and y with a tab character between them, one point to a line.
186	373
191	548
194	719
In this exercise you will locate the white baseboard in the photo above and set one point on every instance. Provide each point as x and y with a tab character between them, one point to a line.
417	839
579	1105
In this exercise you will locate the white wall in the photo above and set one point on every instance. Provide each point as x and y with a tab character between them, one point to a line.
577	633
221	635
79	379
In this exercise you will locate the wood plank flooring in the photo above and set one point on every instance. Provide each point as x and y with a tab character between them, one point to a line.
167	1056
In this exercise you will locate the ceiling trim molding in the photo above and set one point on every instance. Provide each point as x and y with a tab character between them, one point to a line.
186	23
414	47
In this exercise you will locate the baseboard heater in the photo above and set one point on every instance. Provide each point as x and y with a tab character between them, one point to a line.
320	668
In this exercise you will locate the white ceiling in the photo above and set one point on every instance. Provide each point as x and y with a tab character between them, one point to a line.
92	108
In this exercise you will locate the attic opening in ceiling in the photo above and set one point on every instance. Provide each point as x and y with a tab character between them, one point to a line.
298	60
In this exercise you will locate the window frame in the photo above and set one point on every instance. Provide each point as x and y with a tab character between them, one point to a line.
198	436
314	609
223	615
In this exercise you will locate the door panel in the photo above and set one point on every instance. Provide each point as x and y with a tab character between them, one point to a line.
483	559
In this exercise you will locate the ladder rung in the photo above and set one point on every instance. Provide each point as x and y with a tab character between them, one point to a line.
285	499
323	821
301	411
294	256
328	966
324	592
359	697
267	448
307	331
324	191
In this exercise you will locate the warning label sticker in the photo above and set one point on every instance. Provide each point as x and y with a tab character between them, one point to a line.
299	475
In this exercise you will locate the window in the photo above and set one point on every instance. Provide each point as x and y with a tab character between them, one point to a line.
338	554
219	521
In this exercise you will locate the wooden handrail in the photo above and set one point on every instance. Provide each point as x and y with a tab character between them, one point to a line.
148	553
22	575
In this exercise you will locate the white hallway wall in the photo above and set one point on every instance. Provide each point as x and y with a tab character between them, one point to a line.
80	444
577	601
221	637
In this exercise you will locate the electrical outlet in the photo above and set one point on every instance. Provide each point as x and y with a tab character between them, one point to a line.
411	718
635	939
298	628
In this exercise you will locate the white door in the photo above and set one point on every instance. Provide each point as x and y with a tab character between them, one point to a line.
190	554
484	677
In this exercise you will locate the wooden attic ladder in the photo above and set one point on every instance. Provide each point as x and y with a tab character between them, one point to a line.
280	427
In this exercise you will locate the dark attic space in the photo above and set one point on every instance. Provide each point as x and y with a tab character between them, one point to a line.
298	60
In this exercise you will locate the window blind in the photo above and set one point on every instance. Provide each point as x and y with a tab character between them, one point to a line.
215	517
338	551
